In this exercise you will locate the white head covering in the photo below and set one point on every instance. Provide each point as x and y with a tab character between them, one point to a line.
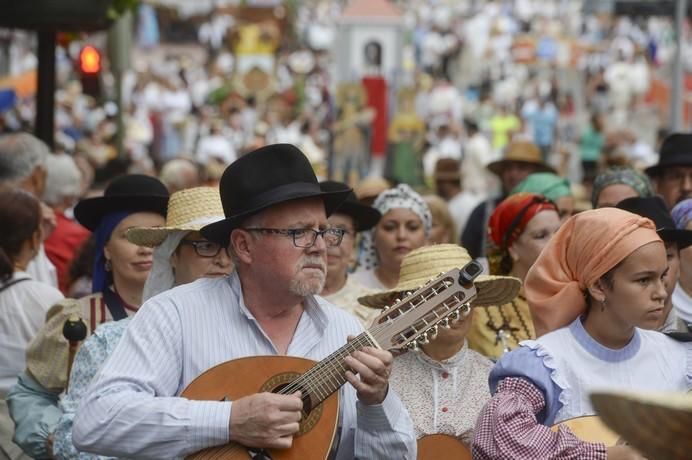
401	196
161	277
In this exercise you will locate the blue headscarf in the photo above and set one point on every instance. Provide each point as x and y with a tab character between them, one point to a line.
100	278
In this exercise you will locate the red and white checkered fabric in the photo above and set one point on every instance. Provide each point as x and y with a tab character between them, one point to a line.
507	429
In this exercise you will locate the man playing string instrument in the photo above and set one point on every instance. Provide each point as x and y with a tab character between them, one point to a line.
276	229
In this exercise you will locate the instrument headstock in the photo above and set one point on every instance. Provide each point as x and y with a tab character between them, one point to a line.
415	319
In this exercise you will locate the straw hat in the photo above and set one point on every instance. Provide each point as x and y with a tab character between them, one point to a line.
659	425
422	264
188	210
523	152
370	187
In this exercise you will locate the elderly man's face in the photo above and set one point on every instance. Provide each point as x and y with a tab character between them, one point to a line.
275	258
675	184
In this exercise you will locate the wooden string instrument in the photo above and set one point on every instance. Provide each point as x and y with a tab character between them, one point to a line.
402	326
442	446
590	428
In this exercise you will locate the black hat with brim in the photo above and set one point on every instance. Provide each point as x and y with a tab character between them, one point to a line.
365	217
654	208
263	178
132	192
676	150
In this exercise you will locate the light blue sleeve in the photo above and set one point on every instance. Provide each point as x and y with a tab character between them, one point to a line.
35	412
529	363
385	430
91	356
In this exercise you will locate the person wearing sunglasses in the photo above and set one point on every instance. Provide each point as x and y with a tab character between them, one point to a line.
181	256
518	229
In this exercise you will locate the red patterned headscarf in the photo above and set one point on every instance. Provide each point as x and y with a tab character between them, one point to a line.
510	217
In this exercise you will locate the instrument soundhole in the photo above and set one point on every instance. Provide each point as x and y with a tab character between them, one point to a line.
311	415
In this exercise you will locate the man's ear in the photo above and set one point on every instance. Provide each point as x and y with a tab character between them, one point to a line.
241	243
597	291
38	180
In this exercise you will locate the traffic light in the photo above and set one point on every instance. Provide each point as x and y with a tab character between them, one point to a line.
90	70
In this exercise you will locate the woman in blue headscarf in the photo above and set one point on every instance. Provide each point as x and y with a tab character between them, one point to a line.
119	272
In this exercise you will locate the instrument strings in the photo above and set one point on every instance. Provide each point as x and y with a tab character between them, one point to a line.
315	379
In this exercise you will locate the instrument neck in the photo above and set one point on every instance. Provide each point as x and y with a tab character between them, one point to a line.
327	376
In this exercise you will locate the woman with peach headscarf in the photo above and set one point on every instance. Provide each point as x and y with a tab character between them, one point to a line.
518	229
595	284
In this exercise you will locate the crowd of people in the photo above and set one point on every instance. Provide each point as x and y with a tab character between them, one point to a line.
525	135
273	262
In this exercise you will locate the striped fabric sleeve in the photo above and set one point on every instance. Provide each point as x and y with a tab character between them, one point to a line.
137	389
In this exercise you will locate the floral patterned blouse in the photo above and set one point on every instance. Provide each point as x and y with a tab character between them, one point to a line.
443	397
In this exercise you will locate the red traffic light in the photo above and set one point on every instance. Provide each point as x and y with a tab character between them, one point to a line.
90	60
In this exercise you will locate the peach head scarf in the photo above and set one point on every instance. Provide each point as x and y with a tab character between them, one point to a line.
585	248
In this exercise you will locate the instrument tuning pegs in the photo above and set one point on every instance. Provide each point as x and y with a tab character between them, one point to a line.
465	310
445	323
413	346
432	332
455	316
423	339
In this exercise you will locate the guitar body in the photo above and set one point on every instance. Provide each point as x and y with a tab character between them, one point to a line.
442	446
235	379
590	428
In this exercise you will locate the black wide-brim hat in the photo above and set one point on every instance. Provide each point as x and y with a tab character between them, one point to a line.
133	192
365	217
265	177
654	208
676	150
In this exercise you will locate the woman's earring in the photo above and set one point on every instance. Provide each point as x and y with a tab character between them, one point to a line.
603	304
107	266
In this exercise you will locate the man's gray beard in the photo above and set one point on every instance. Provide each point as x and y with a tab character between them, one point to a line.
305	288
311	286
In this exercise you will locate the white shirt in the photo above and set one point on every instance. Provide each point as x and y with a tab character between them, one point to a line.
460	208
683	303
42	269
215	146
23	308
579	366
133	407
443	397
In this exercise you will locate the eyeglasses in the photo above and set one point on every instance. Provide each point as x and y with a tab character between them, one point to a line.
205	248
306	237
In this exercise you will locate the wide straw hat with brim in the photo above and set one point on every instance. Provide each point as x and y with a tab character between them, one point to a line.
364	216
265	177
659	425
133	193
371	187
188	210
521	152
425	263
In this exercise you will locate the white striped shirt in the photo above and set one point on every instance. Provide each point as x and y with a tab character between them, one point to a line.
132	409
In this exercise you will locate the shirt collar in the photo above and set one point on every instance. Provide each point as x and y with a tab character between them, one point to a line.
601	352
311	305
450	363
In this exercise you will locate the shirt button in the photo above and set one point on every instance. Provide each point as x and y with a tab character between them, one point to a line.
444	409
445	375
